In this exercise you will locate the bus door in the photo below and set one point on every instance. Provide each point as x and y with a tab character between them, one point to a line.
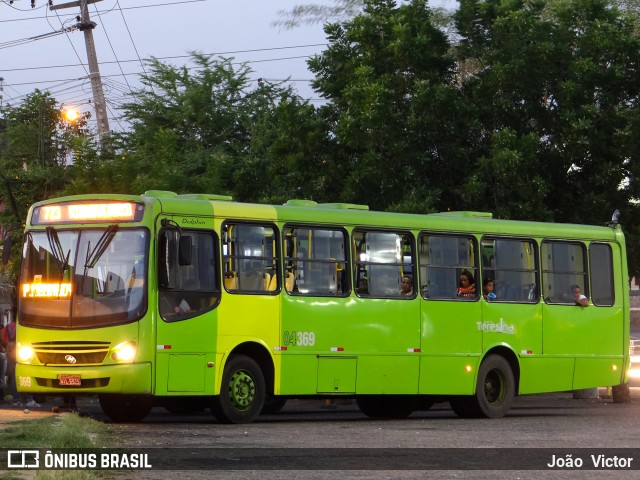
451	342
249	311
188	293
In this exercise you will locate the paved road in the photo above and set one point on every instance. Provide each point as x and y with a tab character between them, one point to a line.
304	428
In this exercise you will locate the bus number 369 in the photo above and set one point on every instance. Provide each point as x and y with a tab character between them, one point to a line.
300	339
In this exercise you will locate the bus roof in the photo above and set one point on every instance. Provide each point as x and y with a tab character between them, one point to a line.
307	211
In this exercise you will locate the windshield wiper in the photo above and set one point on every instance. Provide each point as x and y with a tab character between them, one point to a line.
101	246
94	255
58	253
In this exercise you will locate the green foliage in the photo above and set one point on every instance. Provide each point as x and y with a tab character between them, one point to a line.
67	431
35	150
527	109
388	74
56	432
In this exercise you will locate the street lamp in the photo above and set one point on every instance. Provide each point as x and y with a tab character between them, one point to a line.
71	114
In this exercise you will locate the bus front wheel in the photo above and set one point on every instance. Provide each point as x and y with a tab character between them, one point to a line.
242	392
126	408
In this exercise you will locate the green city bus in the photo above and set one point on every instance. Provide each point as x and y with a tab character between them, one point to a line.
197	301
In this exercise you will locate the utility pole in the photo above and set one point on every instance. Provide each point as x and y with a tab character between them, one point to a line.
87	26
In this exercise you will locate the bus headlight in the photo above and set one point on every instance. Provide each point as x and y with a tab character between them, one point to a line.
25	354
125	352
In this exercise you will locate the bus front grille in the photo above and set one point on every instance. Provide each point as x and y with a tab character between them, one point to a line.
71	353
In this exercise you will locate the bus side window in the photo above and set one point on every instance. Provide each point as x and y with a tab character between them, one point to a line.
189	282
315	261
513	268
564	264
249	254
382	258
443	258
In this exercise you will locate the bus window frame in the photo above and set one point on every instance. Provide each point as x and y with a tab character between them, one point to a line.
356	262
586	274
458	269
346	239
536	248
177	317
277	268
611	278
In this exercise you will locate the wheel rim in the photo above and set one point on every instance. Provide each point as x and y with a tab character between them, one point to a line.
494	387
242	390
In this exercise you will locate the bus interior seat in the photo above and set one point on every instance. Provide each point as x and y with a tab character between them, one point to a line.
289	281
113	283
231	281
270	282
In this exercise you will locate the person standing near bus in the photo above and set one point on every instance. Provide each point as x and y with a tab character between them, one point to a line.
3	363
9	337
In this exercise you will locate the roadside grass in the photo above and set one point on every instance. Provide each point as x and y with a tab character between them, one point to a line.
62	431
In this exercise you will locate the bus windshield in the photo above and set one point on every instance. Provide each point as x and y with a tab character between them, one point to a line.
83	278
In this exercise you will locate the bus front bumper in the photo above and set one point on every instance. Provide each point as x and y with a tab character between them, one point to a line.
129	379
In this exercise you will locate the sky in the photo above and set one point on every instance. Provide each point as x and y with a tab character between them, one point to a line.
36	53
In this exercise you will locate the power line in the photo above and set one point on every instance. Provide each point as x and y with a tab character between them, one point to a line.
192	68
232	52
114	51
102	11
131	37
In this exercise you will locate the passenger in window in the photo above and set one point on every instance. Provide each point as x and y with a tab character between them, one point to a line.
487	290
466	285
406	289
252	278
578	297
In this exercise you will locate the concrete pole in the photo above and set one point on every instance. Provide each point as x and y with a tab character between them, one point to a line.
99	103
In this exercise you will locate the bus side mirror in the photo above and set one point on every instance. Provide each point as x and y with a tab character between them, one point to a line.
185	250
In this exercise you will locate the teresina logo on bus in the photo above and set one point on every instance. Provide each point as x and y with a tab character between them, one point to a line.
501	327
87	211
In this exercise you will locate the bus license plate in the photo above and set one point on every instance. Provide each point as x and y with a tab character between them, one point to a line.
69	380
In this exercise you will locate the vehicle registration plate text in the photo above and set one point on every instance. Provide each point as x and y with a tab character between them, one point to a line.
69	380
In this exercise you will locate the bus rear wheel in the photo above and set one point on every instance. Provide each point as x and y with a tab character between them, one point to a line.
242	392
126	408
495	389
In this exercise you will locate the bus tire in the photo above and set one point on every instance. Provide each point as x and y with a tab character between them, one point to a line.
273	404
495	387
126	408
621	393
242	391
465	407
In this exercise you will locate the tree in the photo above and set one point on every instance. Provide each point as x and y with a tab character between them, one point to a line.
312	13
394	107
559	79
35	149
215	130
